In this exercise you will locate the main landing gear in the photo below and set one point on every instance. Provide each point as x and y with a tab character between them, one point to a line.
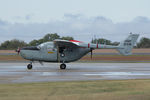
63	66
29	66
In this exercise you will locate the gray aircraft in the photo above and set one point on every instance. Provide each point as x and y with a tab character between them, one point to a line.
64	51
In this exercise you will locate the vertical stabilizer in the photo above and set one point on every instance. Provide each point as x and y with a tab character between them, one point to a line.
125	47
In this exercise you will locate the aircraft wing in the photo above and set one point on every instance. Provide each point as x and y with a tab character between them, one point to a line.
65	43
75	44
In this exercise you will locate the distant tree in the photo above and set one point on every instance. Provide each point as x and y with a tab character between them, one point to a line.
115	43
13	44
40	41
46	38
5	45
51	37
144	43
67	38
34	43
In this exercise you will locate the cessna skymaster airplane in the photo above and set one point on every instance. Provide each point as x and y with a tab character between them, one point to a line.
64	51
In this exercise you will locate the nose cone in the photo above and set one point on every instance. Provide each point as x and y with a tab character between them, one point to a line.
27	52
23	53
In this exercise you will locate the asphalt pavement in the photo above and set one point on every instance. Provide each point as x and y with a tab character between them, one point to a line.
16	72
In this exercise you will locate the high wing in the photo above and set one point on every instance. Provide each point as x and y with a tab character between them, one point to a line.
75	43
65	43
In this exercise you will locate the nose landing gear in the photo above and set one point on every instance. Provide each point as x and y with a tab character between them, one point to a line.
29	66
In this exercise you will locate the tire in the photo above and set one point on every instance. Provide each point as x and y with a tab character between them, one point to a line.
29	66
63	66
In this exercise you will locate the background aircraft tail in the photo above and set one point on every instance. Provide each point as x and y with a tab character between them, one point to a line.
125	47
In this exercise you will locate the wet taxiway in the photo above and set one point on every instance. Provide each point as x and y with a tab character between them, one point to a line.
17	72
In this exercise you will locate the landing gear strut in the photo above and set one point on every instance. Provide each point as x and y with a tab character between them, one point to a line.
63	66
29	66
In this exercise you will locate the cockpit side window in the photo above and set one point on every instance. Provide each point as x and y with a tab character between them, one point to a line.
50	48
41	45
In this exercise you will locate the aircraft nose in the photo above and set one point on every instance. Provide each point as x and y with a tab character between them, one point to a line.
22	53
30	48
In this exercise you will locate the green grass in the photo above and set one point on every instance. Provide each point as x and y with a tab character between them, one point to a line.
85	90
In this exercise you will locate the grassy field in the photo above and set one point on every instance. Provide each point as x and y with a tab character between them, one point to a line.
86	90
11	58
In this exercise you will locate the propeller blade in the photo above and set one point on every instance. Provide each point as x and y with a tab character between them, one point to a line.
18	50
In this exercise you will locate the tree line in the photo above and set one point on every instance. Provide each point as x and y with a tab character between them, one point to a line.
15	43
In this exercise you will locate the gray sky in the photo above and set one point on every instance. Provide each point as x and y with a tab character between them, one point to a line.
111	19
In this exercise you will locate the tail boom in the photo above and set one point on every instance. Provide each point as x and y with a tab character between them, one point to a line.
125	47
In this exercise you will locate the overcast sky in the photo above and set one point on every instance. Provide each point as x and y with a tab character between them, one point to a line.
82	19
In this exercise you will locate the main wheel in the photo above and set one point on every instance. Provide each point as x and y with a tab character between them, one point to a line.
63	66
29	66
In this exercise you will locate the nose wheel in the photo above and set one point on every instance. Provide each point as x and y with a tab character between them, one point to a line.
29	66
63	66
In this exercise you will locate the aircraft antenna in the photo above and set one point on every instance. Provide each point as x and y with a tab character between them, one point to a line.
92	39
95	39
105	42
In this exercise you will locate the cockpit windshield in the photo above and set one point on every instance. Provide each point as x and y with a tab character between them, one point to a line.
41	45
45	45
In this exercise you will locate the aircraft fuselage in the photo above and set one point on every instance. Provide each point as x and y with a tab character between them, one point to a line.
49	53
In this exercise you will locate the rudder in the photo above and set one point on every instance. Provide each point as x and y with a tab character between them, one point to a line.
125	47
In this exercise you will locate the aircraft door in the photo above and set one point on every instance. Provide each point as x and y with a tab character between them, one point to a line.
61	51
61	54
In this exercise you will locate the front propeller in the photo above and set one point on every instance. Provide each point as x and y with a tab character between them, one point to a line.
18	50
